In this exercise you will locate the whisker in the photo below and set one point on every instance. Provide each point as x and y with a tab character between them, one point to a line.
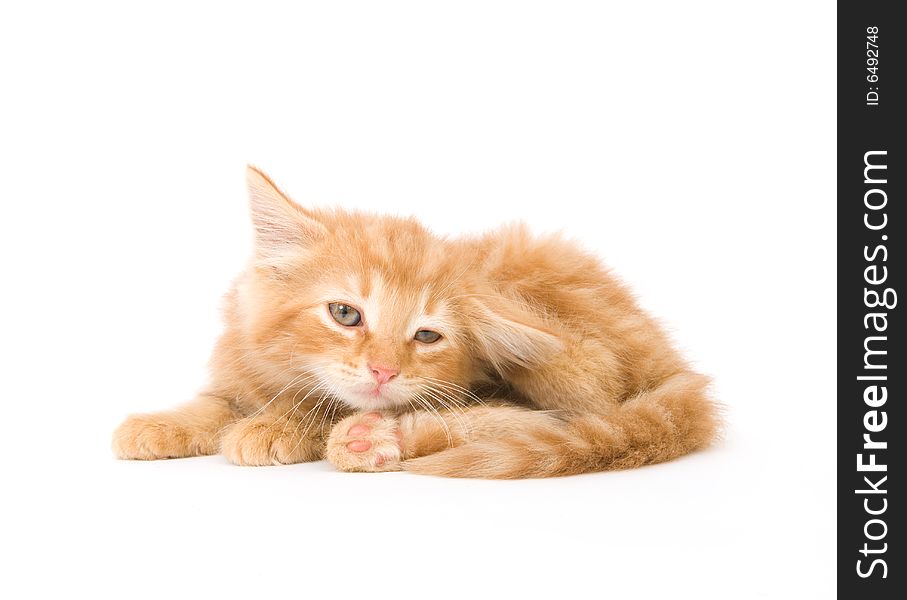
455	410
436	415
321	400
293	403
301	377
304	376
448	395
453	386
324	420
305	417
333	395
296	406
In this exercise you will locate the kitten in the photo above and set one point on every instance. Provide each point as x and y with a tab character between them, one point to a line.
369	341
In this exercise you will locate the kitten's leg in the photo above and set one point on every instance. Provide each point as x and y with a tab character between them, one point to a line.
503	442
191	430
655	425
366	442
377	441
280	435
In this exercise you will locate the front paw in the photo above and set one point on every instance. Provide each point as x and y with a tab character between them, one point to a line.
366	442
150	437
261	441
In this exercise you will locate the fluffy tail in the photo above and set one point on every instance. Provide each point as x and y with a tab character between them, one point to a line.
654	426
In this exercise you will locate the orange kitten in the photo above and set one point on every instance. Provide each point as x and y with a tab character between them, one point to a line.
369	341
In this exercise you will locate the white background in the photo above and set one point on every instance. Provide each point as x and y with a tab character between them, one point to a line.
691	144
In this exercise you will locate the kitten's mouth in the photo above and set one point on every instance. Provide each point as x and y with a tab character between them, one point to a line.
373	396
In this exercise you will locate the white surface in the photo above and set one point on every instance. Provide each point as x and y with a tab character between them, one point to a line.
692	145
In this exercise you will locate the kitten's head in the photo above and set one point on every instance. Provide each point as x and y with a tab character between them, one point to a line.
373	310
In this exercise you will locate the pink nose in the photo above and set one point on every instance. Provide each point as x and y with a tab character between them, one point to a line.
383	374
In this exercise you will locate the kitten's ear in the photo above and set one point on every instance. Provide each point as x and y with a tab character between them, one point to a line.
281	226
510	336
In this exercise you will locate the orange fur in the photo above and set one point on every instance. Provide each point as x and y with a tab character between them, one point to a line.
545	366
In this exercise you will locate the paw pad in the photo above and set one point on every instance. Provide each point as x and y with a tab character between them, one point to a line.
359	445
366	442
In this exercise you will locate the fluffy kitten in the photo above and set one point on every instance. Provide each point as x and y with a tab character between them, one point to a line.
369	341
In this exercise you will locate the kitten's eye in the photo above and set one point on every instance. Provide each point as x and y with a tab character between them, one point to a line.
427	336
345	314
